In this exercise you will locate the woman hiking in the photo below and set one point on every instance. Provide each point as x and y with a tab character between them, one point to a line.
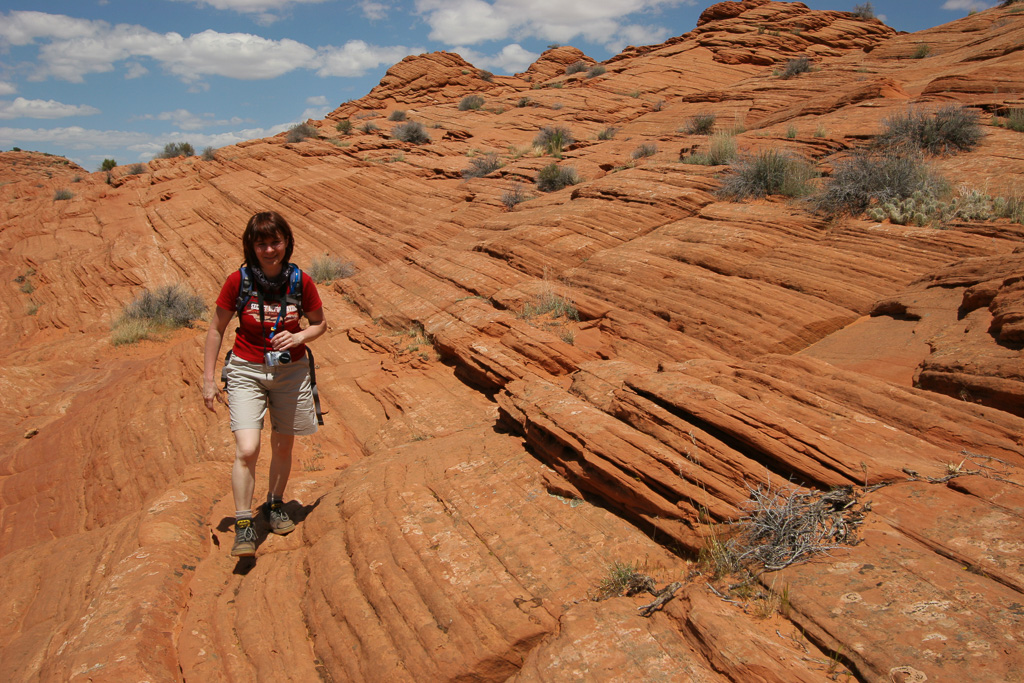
267	367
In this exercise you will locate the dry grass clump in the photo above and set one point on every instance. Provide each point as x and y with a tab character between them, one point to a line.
948	130
645	150
553	139
481	166
471	102
721	150
700	124
300	132
154	311
554	177
411	131
876	177
325	269
766	173
796	66
513	196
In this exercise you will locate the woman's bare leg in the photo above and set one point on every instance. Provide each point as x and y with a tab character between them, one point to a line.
243	473
280	462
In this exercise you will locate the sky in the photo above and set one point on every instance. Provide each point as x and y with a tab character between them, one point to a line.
119	79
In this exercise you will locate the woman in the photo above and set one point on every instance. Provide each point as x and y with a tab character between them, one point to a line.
267	368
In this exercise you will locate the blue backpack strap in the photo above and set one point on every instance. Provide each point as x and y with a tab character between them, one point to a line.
244	289
294	295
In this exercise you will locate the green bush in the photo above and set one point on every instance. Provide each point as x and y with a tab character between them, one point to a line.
766	173
136	169
209	154
523	101
486	75
865	11
411	131
153	311
791	132
796	66
369	127
471	102
1015	120
872	177
108	165
700	124
344	127
553	139
300	132
953	128
921	51
553	177
481	166
721	150
62	194
325	269
397	115
177	149
645	150
576	67
607	133
595	71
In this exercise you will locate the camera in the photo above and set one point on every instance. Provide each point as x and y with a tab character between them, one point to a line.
273	358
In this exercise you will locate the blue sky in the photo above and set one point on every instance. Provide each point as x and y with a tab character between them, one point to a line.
95	79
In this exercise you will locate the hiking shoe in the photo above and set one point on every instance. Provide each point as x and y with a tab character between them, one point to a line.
280	522
245	539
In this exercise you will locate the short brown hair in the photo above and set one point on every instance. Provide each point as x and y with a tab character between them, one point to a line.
266	225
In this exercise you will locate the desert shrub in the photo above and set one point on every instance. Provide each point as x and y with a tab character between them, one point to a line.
768	172
921	51
62	194
369	127
549	302
344	127
177	149
950	129
300	132
796	66
553	139
1015	120
576	67
486	75
481	166
326	268
700	124
645	150
209	154
865	11
607	133
136	169
721	150
471	102
554	177
397	115
108	165
513	196
411	131
596	70
873	177
969	205
153	311
523	101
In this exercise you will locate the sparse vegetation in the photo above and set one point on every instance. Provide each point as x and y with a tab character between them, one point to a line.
471	102
1015	120
950	129
921	51
155	311
486	75
481	166
523	101
624	578
596	70
645	150
607	133
513	196
300	132
865	11
369	127
576	67
721	150
411	131
177	149
136	169
326	269
922	209
791	132
553	139
63	194
796	66
108	165
700	124
344	127
766	173
876	177
397	115
554	177
550	303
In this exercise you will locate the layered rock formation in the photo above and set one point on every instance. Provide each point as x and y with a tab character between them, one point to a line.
488	461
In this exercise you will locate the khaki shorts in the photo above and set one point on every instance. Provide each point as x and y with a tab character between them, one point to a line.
285	389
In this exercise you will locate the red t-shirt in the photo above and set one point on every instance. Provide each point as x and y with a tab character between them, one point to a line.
252	338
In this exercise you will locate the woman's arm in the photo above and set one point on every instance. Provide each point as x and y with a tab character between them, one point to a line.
317	326
214	337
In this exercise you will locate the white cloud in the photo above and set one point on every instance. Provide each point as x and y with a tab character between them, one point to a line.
43	109
356	57
511	59
7	88
134	70
183	119
317	100
252	6
374	11
467	22
966	5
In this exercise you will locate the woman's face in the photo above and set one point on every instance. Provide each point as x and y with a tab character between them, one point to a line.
270	252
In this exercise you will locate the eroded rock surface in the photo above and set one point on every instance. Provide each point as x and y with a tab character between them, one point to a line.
522	399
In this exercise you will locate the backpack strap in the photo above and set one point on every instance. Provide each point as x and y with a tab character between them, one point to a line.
316	392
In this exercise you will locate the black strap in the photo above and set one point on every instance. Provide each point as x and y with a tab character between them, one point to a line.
312	382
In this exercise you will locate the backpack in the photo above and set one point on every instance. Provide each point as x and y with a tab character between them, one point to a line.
293	296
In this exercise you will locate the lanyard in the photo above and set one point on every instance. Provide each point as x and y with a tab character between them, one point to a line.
280	315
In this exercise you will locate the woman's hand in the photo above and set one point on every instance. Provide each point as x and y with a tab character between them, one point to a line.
285	340
211	394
